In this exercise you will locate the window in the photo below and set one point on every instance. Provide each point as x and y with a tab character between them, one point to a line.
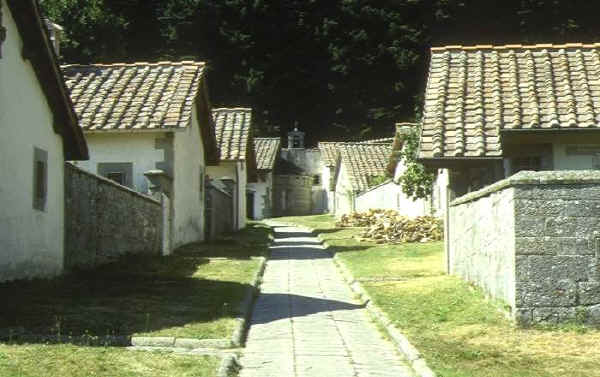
116	176
316	180
120	172
526	163
40	178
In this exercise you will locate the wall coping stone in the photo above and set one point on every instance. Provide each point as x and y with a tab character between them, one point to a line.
387	181
557	177
70	165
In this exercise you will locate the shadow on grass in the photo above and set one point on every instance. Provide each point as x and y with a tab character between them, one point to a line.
139	294
345	249
111	302
274	306
254	242
328	230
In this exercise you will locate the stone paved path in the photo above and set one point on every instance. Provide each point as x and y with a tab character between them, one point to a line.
307	323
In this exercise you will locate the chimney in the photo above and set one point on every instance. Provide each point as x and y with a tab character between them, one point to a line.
404	129
55	32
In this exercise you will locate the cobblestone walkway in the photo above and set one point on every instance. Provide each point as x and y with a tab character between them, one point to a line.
307	323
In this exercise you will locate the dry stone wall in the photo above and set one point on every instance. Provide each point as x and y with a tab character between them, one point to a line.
104	220
555	241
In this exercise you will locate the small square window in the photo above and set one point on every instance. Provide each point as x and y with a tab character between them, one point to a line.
527	163
120	172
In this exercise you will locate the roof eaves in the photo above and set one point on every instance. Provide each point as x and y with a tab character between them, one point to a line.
39	51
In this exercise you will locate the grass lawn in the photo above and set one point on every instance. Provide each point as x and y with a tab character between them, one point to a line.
193	293
68	360
459	332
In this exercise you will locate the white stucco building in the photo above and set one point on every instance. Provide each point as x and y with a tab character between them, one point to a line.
359	167
260	204
329	160
237	164
39	132
150	118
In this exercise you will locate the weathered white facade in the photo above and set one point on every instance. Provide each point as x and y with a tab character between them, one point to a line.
344	195
180	151
389	195
405	205
327	174
262	194
137	149
32	159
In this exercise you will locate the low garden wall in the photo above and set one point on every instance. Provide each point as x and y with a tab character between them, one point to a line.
104	220
532	240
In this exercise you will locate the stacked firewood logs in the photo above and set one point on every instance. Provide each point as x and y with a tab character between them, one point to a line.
389	226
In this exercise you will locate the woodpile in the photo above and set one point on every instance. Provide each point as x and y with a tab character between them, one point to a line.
389	226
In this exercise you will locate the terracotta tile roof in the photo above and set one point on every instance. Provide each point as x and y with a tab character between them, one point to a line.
474	92
138	96
267	149
329	152
233	129
38	49
363	161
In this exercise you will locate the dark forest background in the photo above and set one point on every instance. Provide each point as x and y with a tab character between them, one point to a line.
338	69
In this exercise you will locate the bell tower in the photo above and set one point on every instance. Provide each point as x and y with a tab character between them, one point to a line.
296	139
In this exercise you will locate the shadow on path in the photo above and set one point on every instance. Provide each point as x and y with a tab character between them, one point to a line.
274	306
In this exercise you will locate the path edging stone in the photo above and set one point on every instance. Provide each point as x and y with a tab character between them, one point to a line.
246	306
228	366
409	351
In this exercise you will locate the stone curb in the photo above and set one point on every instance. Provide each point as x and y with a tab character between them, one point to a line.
229	365
237	339
413	355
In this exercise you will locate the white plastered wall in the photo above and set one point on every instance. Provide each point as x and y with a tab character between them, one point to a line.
188	185
263	194
390	196
344	196
31	241
125	147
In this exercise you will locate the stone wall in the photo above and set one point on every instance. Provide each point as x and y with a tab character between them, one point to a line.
482	244
104	220
292	195
549	222
219	211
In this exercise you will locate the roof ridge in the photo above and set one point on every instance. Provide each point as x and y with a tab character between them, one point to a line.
515	46
134	64
231	109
